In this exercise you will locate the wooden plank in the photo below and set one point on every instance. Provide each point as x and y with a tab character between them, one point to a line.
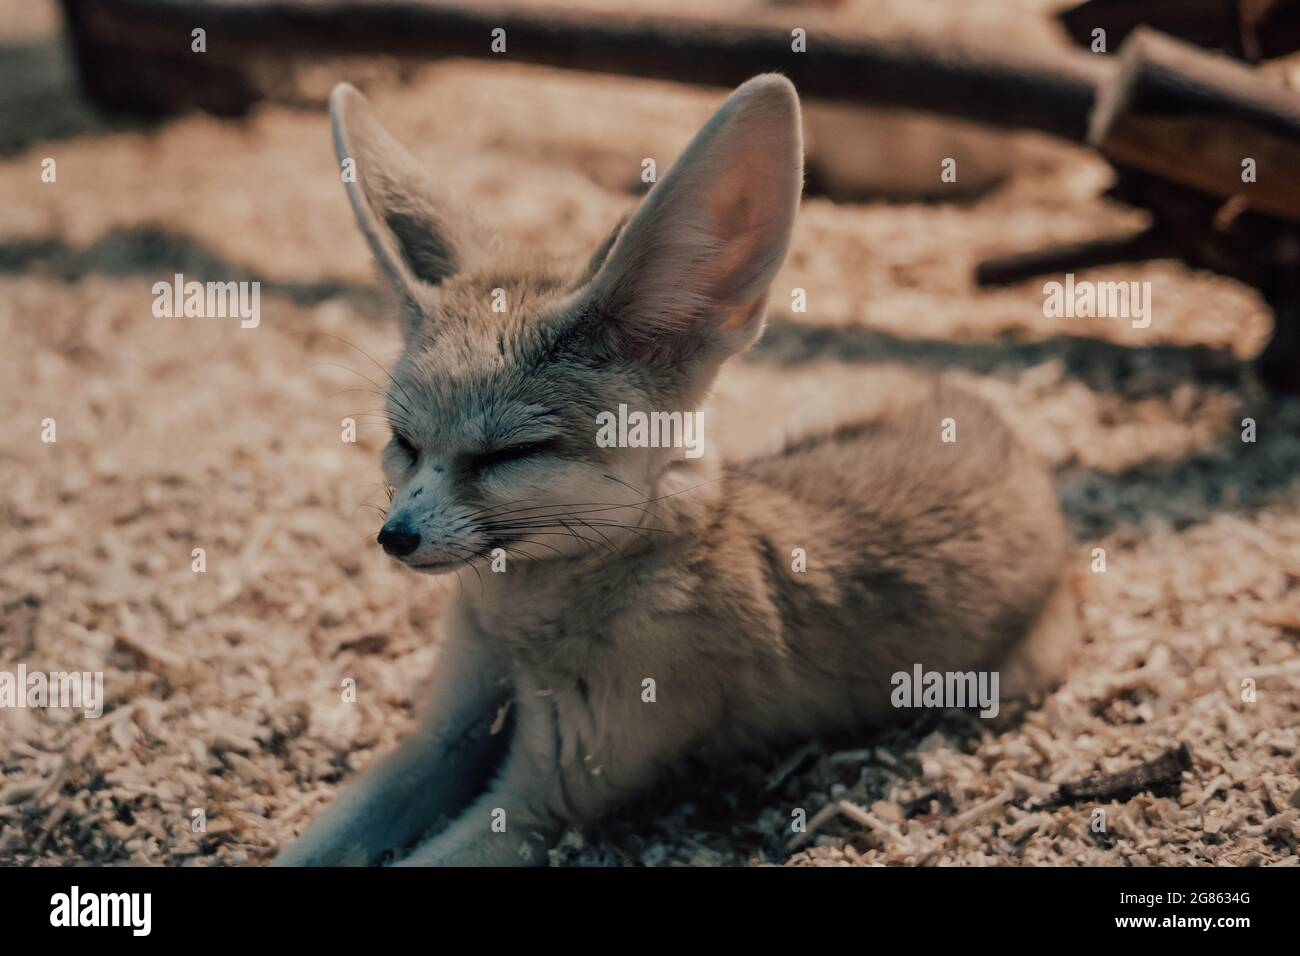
1052	92
1193	117
1251	29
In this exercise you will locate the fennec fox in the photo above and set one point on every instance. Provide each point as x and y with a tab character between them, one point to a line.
635	605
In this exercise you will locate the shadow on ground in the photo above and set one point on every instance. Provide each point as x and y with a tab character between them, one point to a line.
39	98
1232	476
747	810
158	254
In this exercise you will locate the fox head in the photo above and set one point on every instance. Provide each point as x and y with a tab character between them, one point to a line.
507	364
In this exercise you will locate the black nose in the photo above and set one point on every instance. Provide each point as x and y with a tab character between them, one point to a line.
398	540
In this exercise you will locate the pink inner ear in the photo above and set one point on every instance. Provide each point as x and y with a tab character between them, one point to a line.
743	315
741	218
733	207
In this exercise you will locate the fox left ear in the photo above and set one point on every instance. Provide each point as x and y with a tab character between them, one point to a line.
417	232
690	270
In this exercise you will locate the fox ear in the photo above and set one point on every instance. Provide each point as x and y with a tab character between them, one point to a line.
406	219
691	268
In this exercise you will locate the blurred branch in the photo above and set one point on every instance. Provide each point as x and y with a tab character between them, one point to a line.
1052	92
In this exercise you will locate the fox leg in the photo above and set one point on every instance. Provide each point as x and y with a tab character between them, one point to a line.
553	776
433	773
506	826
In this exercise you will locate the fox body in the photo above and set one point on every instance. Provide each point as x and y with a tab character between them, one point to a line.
636	605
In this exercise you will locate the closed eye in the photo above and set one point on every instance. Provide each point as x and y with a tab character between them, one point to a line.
406	446
502	456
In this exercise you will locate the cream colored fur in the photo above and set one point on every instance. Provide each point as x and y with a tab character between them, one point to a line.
636	568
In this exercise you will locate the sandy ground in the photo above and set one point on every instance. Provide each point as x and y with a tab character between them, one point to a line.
177	434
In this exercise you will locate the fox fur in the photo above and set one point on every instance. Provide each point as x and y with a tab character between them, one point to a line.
651	605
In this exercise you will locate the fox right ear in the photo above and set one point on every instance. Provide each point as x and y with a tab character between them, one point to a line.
406	219
689	272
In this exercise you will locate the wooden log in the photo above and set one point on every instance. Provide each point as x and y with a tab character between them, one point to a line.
1194	117
1162	775
1052	91
1150	243
1250	29
118	77
1279	364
